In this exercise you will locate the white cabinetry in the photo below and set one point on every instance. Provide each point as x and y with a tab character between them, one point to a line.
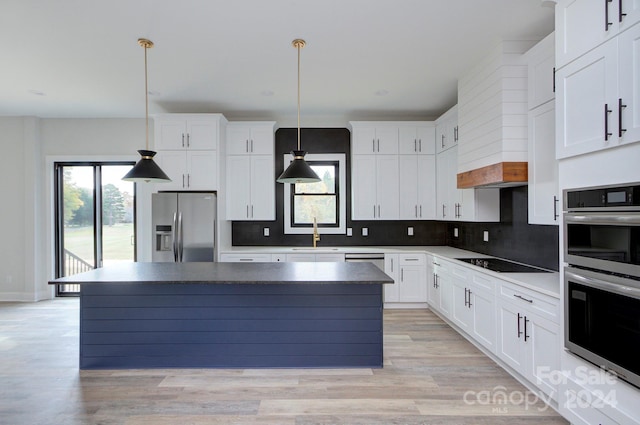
226	257
473	308
529	335
374	138
250	171
462	204
409	272
544	198
187	146
582	25
601	89
417	177
447	129
440	289
315	258
374	187
417	139
187	131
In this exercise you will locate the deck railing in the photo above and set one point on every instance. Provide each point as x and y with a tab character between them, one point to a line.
73	265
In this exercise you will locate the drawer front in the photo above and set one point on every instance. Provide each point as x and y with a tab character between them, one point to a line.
536	302
412	259
245	258
483	282
330	258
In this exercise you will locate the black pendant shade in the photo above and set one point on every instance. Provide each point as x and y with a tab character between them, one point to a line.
146	170
298	171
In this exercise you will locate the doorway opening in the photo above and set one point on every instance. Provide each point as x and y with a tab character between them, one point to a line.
95	218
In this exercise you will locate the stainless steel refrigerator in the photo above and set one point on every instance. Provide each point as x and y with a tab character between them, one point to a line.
183	226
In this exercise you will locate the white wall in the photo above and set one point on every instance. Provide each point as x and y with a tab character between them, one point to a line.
29	148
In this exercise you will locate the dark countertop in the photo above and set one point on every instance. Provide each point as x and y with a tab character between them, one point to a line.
233	273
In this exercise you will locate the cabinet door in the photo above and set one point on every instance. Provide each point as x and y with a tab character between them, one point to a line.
442	185
460	312
511	346
413	285
540	71
174	164
263	180
544	352
584	89
363	140
202	134
433	295
629	14
391	267
238	187
441	135
238	139
387	182
544	206
202	170
484	318
629	84
581	25
426	186
445	287
408	188
363	187
426	140
262	140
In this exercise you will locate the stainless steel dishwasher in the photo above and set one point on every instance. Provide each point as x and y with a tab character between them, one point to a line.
376	259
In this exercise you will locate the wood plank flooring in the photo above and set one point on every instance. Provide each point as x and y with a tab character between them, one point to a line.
431	376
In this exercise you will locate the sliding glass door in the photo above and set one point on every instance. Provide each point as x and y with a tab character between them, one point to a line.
95	218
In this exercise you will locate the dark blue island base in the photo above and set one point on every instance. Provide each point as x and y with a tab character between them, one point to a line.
126	325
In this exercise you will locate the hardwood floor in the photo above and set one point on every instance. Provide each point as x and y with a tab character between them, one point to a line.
431	376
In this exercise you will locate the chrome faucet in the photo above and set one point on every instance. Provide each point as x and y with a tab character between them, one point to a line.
316	235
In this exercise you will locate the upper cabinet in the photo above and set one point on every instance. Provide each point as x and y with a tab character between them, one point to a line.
187	146
582	25
369	138
602	90
417	139
250	191
544	199
187	131
250	138
447	129
393	170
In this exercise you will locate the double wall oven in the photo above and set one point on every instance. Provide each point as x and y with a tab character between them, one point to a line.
602	277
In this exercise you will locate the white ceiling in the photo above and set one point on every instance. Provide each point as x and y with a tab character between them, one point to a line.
365	59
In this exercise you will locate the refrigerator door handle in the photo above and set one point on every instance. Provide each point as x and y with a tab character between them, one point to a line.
174	237
180	241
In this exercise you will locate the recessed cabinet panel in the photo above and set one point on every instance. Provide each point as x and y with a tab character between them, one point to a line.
263	181
363	187
629	84
387	181
543	199
201	134
238	187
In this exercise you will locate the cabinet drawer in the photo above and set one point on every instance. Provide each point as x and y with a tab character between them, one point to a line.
536	302
590	407
330	258
483	282
412	259
278	258
245	258
460	274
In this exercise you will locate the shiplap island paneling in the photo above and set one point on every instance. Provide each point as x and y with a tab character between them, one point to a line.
203	315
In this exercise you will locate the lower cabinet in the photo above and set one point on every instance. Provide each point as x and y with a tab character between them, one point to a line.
229	257
528	341
409	271
245	258
520	326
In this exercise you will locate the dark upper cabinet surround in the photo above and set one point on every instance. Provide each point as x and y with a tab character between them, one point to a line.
512	238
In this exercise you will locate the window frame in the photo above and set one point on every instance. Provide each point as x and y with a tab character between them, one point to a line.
341	183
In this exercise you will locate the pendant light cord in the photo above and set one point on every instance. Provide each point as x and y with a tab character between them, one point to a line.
146	100
298	46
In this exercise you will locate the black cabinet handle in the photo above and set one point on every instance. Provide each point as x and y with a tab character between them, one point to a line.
620	13
519	332
469	305
554	79
555	208
620	108
523	298
607	111
526	337
607	24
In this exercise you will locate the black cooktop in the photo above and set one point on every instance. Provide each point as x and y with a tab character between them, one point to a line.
502	266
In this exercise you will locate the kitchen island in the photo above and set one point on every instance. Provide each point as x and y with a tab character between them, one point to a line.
230	315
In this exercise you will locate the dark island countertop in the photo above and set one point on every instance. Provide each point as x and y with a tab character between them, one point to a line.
233	273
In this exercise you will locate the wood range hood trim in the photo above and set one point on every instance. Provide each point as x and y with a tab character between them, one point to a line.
502	174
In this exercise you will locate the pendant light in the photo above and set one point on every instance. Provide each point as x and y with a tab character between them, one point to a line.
146	170
298	171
